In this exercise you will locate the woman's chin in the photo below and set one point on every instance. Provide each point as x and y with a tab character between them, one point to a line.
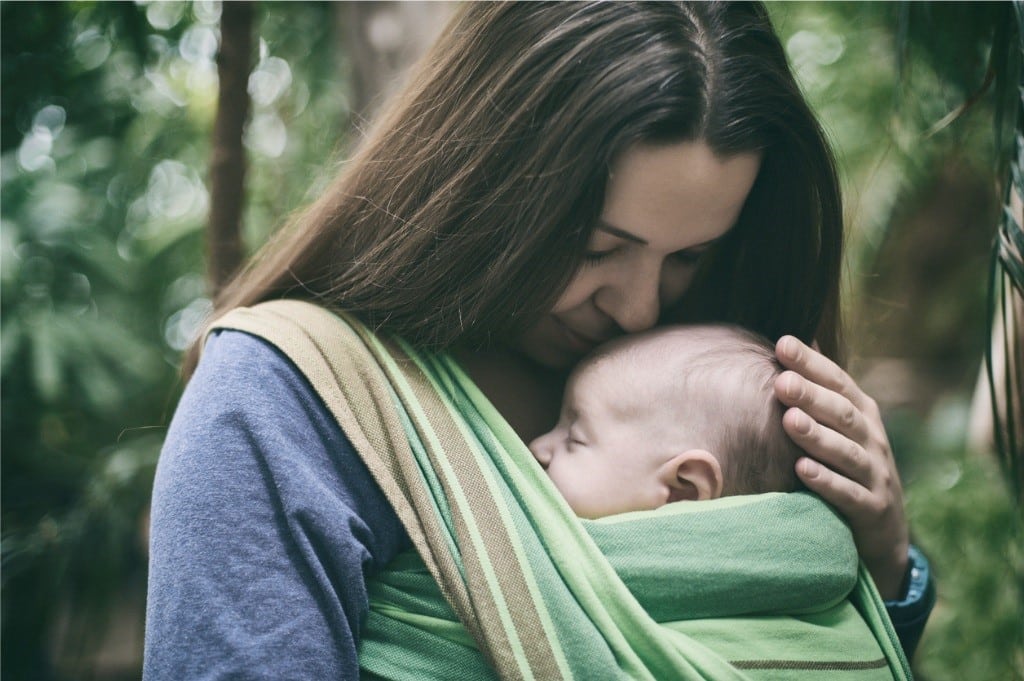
549	355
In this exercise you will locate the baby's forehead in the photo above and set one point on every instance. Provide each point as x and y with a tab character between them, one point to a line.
667	357
604	382
623	376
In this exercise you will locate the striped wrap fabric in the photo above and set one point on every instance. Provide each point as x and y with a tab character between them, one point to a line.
506	583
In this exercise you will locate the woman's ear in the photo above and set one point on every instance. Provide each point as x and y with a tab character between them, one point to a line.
693	475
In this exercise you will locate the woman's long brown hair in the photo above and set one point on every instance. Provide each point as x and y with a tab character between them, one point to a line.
467	209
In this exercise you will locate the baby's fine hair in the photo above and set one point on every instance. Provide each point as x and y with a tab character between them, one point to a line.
721	389
757	454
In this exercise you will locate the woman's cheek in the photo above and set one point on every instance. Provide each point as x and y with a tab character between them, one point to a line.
579	290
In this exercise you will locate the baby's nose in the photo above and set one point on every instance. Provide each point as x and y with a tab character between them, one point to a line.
541	450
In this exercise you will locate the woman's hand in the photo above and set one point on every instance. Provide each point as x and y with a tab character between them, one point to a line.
850	462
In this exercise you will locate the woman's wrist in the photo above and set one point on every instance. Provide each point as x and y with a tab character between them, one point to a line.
891	573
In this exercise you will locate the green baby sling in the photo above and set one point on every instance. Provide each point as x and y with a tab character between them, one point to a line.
505	582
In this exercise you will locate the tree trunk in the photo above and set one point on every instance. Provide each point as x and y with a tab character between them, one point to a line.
227	163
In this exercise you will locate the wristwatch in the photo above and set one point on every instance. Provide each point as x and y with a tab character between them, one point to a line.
910	613
918	580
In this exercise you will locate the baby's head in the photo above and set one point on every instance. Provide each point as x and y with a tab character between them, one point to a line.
683	412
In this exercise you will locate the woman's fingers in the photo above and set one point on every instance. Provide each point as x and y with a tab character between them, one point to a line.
823	405
831	448
849	461
815	367
875	517
846	495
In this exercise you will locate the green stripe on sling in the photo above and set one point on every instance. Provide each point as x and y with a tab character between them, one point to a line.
505	582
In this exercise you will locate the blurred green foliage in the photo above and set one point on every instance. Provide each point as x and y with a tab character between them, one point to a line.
962	513
921	178
107	111
106	118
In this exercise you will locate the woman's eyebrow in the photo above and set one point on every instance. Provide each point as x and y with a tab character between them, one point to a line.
623	234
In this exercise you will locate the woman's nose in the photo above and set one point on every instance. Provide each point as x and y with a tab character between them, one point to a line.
632	299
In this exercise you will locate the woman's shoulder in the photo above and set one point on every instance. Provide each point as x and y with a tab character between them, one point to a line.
246	394
249	414
248	382
260	499
238	364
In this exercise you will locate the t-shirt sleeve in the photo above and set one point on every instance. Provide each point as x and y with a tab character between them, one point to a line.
265	524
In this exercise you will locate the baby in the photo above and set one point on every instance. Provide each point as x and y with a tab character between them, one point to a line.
672	414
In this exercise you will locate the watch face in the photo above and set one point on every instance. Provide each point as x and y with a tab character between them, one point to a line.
919	574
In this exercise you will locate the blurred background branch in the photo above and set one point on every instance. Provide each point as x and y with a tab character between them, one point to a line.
108	129
225	250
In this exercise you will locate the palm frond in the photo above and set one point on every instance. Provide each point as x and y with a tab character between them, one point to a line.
1006	293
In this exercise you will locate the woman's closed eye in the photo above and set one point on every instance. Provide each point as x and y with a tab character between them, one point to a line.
595	257
688	257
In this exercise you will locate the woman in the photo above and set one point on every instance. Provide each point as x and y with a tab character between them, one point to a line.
551	177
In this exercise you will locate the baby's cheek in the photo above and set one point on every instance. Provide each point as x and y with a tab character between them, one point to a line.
572	484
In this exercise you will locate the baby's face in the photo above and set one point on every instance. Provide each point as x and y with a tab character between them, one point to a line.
605	454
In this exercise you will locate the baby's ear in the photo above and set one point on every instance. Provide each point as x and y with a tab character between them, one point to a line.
693	475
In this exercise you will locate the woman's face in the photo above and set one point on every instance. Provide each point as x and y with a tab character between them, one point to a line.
664	207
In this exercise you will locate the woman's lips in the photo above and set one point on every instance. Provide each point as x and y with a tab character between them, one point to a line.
577	341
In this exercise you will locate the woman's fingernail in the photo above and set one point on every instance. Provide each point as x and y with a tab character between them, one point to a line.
794	388
808	468
802	422
789	347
